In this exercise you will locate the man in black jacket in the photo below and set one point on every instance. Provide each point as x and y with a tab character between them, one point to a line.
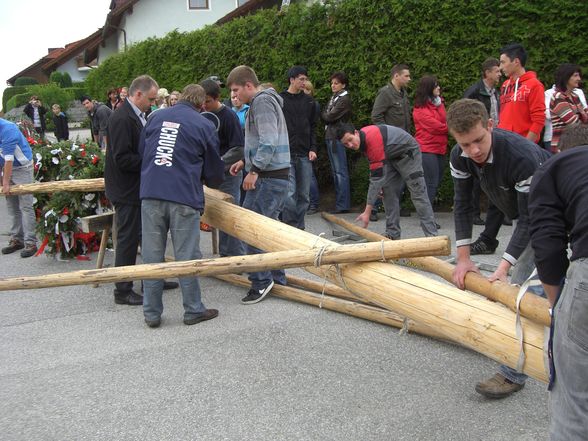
99	118
122	175
300	113
486	91
36	112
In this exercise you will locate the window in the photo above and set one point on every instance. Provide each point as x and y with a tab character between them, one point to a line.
241	2
198	4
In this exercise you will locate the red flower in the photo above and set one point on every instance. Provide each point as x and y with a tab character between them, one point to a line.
65	211
30	140
95	159
72	163
36	167
83	153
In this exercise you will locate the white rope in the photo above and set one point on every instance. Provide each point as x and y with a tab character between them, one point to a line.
531	281
382	249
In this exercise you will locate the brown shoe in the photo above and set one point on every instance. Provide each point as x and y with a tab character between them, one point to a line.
13	245
498	387
29	250
206	315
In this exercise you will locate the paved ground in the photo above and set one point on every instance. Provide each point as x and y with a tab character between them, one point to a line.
75	366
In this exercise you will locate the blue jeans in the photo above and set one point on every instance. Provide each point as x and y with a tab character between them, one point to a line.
298	197
20	208
268	199
569	394
340	172
521	272
314	192
229	245
183	222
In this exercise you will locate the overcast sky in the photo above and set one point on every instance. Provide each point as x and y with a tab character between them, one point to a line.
30	27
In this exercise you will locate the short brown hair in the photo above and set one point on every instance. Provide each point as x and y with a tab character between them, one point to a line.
488	64
241	75
397	69
194	93
144	83
465	114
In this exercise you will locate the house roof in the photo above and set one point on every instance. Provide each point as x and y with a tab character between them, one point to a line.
117	9
71	50
248	8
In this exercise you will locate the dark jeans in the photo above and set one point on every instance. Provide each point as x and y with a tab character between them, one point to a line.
494	218
433	167
314	192
476	193
340	172
229	245
268	199
128	227
298	199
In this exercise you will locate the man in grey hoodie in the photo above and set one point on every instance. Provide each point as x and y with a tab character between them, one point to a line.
267	163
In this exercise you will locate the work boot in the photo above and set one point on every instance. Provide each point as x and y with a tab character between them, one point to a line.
29	250
13	245
498	387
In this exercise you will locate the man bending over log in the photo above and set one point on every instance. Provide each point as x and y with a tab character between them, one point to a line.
394	157
504	163
179	150
267	161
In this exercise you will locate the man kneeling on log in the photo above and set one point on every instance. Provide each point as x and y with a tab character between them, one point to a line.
394	158
504	163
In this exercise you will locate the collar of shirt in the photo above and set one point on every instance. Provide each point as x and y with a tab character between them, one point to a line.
139	114
490	159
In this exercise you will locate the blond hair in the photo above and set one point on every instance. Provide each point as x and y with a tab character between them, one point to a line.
241	75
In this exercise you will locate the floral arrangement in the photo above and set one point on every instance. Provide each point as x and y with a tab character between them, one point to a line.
58	214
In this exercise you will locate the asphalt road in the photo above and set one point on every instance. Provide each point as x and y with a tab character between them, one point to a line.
75	366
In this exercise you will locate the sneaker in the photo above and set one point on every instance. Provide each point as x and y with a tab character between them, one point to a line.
374	216
389	236
13	245
498	387
257	295
127	298
481	247
478	220
311	211
506	221
209	314
29	250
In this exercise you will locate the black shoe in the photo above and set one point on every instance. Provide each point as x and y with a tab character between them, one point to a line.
338	211
127	298
481	247
206	315
404	212
153	323
13	245
29	250
506	221
389	236
437	226
255	295
374	216
311	211
478	220
170	285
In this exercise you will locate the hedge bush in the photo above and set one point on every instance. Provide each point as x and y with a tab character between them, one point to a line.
63	79
49	94
449	39
25	81
9	92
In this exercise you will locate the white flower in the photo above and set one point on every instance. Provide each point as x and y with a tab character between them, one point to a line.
74	147
90	196
39	157
55	160
71	177
56	151
68	157
63	219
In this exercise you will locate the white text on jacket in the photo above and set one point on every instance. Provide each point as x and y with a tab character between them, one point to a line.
167	141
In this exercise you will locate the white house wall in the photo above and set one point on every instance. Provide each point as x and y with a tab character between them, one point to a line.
155	18
71	67
110	48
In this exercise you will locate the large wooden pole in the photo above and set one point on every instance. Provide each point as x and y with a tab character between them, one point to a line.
532	306
326	254
83	185
475	322
349	307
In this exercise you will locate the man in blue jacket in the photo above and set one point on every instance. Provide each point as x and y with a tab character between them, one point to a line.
17	168
180	151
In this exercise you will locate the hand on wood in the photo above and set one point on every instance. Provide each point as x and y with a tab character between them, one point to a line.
461	269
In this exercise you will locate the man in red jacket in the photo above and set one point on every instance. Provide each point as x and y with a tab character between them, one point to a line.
522	96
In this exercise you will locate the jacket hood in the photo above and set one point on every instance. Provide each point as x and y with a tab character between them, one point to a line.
529	75
273	93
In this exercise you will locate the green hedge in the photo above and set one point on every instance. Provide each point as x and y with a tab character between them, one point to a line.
25	81
449	39
49	94
9	92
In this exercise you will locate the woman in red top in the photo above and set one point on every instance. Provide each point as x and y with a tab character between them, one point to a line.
565	106
431	131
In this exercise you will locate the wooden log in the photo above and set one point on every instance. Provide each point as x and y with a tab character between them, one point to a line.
532	306
327	255
471	320
322	287
349	307
83	185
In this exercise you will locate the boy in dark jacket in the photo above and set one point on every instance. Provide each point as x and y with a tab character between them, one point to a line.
60	122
